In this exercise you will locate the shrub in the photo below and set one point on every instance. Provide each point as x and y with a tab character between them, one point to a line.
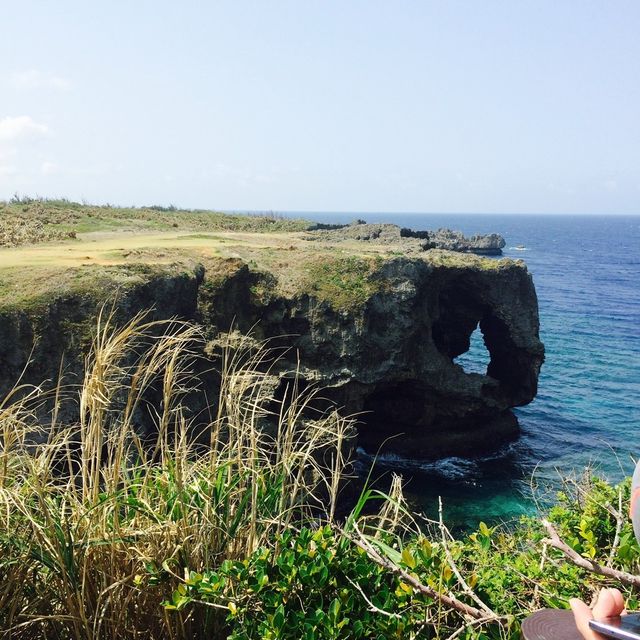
323	583
312	585
346	283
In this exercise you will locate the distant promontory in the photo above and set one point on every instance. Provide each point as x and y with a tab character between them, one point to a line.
412	240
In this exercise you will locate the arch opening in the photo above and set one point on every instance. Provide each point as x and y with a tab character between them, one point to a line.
477	358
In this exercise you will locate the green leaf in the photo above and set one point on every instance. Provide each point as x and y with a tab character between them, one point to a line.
390	552
278	618
408	559
334	610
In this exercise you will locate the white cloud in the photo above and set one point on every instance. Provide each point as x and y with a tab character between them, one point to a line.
33	79
8	168
244	176
14	128
49	168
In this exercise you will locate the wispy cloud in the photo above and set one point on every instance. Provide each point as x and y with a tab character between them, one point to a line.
245	176
33	79
49	168
6	170
19	127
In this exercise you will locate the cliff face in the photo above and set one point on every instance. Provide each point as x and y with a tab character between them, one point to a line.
390	355
54	334
392	358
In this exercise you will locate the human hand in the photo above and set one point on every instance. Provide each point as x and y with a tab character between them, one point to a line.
609	603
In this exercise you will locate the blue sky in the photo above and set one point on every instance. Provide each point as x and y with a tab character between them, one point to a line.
448	106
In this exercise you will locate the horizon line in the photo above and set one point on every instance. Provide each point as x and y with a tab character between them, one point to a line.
270	210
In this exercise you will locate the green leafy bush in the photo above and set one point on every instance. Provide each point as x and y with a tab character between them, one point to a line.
313	584
321	584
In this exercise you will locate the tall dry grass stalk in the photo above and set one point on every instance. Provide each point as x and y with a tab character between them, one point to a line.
99	523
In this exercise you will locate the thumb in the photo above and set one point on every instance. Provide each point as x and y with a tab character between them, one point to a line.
582	614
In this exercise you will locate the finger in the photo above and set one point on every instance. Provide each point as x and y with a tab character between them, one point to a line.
619	600
582	614
610	603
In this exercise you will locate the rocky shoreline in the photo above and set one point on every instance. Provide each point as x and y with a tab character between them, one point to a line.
409	240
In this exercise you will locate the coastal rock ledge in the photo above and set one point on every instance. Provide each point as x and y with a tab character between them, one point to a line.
381	334
391	359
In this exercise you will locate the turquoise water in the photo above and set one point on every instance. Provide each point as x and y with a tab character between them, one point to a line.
587	275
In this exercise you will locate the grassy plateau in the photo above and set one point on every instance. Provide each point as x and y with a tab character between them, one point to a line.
57	245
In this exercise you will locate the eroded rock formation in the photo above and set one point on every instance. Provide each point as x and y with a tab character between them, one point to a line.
389	358
411	241
489	244
393	359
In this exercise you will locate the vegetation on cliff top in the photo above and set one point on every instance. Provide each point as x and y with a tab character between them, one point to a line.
32	290
345	282
52	247
30	220
225	525
454	259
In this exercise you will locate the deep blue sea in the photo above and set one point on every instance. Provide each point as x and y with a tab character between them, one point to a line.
586	270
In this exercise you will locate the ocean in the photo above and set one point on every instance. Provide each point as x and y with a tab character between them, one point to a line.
586	270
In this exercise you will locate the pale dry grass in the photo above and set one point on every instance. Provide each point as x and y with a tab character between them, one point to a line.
98	525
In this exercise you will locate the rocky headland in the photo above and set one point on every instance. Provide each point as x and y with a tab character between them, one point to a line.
490	244
373	314
411	240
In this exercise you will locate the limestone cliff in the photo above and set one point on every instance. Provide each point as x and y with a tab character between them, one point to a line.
379	333
391	357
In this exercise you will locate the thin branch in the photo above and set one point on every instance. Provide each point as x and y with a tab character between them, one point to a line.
619	523
461	581
390	566
590	565
543	559
372	607
472	623
585	493
213	605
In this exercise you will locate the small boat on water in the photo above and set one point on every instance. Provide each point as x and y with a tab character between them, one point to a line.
520	247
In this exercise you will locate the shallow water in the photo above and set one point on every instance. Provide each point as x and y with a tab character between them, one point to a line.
587	274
